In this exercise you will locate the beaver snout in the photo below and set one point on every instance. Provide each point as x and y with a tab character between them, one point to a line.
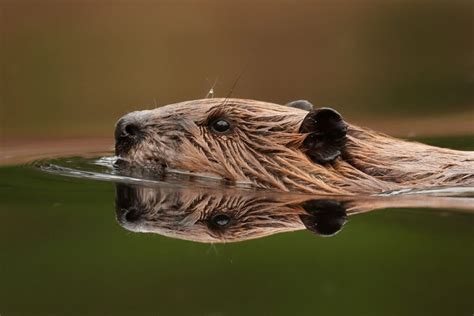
129	130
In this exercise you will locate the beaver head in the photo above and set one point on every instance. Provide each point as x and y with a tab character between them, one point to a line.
245	141
279	147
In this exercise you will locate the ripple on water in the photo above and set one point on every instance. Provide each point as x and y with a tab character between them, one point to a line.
104	168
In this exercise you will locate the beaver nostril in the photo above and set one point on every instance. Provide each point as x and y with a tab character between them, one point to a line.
132	215
128	133
131	130
127	130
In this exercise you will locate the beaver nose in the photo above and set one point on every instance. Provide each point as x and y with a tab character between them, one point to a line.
128	132
126	129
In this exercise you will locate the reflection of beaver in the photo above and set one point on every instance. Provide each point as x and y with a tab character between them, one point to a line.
227	215
203	215
283	147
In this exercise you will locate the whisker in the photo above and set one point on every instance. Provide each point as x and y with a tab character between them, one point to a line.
234	84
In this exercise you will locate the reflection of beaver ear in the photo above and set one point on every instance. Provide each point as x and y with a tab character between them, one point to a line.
327	135
301	104
324	217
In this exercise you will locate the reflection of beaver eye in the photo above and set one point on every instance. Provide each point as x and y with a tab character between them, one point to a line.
220	220
220	126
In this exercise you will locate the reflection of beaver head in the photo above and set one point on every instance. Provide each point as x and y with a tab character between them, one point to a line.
281	147
207	215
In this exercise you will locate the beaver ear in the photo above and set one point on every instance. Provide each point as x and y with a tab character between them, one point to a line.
327	135
301	104
324	217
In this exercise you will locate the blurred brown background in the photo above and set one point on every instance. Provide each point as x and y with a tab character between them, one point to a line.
71	68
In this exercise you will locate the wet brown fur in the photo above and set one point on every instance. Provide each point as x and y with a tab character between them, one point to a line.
264	150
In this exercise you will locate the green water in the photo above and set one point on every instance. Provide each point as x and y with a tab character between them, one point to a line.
63	252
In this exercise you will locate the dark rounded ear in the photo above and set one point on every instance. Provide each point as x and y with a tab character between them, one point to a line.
301	104
326	135
324	217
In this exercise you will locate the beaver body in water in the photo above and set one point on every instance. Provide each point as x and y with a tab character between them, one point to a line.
286	148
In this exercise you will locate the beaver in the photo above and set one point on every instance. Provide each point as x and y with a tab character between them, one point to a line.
218	215
291	148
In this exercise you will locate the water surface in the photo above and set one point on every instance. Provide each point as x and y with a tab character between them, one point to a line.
66	250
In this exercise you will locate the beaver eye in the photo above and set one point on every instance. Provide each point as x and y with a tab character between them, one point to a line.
220	126
220	220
